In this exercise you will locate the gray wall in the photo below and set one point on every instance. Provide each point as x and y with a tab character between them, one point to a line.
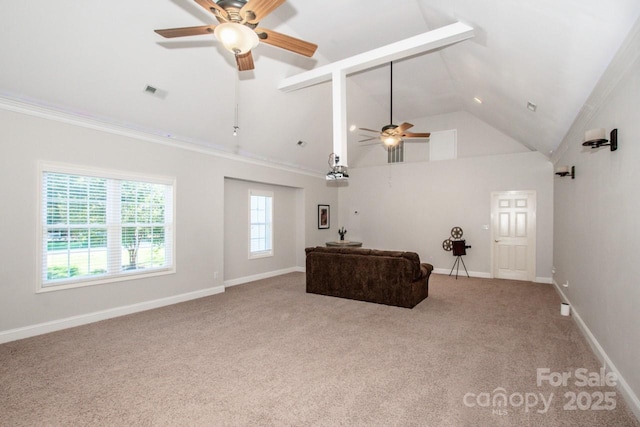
596	217
413	206
286	226
199	214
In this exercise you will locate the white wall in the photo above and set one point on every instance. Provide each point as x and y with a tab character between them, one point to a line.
413	206
476	138
199	214
596	217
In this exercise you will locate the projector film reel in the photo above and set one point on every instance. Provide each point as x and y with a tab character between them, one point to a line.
447	245
456	233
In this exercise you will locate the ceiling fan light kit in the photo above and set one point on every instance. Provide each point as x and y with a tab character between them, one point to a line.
391	140
236	38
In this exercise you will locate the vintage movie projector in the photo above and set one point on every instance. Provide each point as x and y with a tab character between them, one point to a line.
459	247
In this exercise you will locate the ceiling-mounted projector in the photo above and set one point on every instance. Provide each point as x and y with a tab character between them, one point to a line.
337	172
337	176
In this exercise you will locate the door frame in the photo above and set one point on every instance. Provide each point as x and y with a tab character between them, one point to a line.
533	245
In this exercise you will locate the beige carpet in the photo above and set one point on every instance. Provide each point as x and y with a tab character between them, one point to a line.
267	353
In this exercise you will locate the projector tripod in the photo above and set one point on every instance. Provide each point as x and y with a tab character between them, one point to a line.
457	263
459	248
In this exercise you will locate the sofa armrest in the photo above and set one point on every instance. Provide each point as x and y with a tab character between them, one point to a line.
425	270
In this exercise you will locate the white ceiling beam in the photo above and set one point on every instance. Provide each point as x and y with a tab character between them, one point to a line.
430	40
339	94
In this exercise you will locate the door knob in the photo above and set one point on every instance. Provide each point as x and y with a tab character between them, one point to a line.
496	241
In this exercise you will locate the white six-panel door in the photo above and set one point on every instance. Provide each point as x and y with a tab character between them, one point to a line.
514	235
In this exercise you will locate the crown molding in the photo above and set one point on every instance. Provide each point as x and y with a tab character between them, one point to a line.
56	114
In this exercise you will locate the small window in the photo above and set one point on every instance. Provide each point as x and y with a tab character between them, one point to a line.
260	224
99	226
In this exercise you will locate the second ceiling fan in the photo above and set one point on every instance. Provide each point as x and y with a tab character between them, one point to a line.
391	135
238	30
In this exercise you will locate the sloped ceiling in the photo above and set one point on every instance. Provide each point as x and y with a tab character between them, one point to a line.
94	59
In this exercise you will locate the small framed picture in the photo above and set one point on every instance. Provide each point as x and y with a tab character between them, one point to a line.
323	216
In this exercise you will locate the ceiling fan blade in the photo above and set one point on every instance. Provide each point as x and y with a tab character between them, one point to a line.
416	135
400	129
259	9
245	62
368	144
370	130
286	42
186	31
368	139
211	6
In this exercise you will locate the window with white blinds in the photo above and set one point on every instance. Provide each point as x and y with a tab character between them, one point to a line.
260	223
99	226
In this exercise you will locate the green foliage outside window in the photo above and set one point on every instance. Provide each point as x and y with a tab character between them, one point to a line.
77	227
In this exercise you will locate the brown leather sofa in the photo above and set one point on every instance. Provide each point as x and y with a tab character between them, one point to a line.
384	277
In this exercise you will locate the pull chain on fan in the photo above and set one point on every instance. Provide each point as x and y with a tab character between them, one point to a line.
236	127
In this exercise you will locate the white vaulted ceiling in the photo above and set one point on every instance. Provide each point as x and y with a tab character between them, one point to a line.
93	59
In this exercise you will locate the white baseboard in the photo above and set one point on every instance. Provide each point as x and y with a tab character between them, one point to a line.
247	279
628	393
461	273
484	275
83	319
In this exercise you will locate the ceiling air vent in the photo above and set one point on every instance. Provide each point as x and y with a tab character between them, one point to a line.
395	153
155	92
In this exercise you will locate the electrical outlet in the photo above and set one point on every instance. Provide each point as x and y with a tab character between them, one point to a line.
215	274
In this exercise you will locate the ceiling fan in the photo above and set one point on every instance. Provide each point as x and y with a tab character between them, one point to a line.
238	29
391	135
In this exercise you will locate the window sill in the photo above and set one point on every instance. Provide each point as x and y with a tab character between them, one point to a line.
84	282
259	255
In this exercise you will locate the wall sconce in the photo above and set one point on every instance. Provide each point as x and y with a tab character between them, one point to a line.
595	138
564	171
